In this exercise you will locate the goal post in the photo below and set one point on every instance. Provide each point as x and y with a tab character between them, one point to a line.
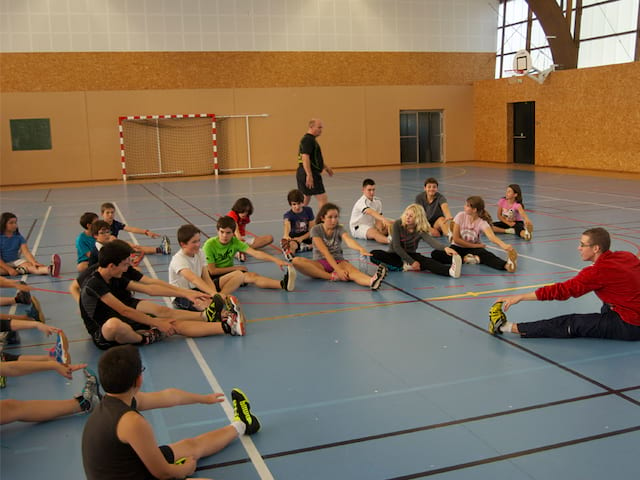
168	145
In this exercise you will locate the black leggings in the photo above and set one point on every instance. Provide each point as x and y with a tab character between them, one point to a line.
485	256
426	263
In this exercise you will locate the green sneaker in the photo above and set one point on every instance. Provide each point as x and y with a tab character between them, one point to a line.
242	411
497	318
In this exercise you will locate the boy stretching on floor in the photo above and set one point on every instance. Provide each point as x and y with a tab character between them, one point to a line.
118	442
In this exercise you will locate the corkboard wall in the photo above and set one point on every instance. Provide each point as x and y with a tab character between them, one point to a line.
91	71
587	118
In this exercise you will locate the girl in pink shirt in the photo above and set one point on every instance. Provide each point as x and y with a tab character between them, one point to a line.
511	215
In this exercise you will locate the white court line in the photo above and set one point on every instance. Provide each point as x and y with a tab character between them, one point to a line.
538	260
247	443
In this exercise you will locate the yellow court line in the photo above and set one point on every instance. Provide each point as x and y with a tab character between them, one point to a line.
387	304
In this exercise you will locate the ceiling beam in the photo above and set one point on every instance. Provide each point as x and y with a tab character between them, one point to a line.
552	20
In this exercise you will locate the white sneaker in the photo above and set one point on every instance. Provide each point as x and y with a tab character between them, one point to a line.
471	259
288	283
450	236
512	262
233	318
456	266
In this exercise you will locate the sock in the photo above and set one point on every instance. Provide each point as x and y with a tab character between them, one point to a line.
510	231
85	405
240	427
506	328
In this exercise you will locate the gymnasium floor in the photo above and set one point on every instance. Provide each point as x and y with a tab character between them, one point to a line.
400	383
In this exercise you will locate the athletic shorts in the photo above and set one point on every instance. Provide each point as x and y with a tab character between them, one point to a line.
167	452
327	266
318	185
8	357
360	231
17	262
104	344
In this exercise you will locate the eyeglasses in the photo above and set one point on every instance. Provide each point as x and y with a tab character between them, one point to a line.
585	245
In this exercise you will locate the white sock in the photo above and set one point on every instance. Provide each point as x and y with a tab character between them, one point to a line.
506	328
240	427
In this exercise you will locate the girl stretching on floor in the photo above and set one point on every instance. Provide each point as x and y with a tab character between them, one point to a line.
328	261
468	225
15	256
406	233
513	218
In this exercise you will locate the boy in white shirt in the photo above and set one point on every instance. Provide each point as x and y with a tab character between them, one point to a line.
367	221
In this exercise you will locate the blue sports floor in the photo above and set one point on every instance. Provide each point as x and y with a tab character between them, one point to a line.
348	383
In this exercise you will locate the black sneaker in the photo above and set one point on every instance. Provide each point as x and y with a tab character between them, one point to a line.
150	336
35	311
376	280
242	411
22	270
214	310
23	297
12	338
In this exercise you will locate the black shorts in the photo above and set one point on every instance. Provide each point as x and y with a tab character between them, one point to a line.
8	357
318	185
104	344
167	453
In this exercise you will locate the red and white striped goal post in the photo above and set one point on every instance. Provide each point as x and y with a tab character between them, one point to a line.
214	141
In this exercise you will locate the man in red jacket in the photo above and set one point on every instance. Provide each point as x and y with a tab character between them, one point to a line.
614	277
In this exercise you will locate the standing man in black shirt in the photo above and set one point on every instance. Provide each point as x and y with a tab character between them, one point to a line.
311	165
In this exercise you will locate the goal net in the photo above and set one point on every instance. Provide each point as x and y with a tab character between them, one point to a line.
168	145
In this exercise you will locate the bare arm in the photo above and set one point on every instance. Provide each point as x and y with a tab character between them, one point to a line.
266	257
446	211
141	231
306	164
26	253
286	229
458	240
213	270
202	282
172	397
20	368
514	299
492	236
133	429
74	290
166	326
352	244
17	324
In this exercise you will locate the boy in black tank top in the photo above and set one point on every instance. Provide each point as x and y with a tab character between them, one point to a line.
119	443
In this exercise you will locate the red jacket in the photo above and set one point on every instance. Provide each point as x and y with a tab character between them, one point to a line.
614	278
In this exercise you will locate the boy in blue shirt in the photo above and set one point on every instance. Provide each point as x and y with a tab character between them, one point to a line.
297	223
85	241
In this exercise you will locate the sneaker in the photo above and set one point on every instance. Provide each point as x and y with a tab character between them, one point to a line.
377	278
288	256
284	244
54	268
23	297
61	349
334	277
3	381
305	247
288	282
35	311
528	231
456	266
242	411
497	318
512	262
233	322
12	338
150	336
91	392
165	245
213	312
22	270
471	259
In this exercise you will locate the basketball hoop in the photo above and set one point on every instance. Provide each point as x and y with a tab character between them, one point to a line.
522	66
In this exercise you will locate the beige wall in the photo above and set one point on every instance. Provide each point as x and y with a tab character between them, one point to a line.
361	126
587	118
358	94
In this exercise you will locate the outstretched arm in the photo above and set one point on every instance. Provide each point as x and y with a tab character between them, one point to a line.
141	231
492	236
172	397
507	302
266	257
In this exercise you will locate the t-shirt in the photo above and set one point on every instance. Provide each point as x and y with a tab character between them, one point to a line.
93	310
359	218
179	262
309	146
84	244
104	456
222	255
333	242
470	229
433	210
510	212
241	222
10	247
299	221
115	227
404	242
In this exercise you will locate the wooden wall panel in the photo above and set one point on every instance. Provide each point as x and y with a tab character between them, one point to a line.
586	118
90	71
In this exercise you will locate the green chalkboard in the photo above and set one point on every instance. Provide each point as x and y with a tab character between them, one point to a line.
30	134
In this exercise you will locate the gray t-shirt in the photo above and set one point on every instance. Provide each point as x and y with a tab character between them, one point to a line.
333	242
433	209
